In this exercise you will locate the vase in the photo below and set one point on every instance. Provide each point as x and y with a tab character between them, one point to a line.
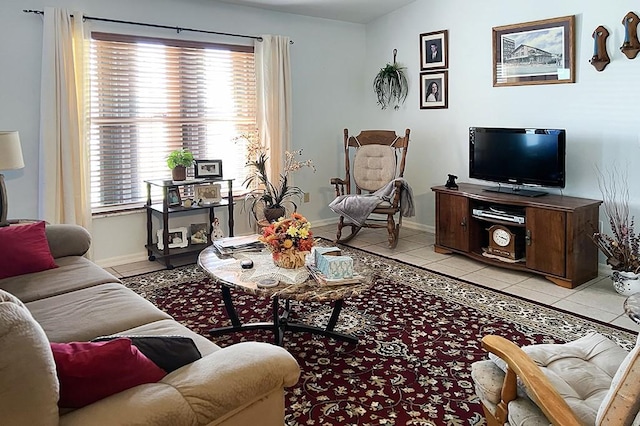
290	259
271	214
179	173
626	283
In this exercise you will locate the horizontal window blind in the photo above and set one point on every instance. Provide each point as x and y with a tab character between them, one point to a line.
150	96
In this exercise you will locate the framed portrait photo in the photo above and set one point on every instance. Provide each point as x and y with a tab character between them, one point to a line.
199	233
210	169
537	52
207	194
177	238
173	196
434	50
434	89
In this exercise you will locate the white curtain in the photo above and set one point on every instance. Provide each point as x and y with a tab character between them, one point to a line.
273	82
64	192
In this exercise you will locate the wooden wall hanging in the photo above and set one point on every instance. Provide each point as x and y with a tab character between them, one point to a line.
600	58
631	46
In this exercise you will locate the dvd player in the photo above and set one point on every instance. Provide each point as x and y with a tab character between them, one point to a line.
492	214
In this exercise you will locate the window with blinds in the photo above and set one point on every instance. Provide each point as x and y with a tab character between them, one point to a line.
150	96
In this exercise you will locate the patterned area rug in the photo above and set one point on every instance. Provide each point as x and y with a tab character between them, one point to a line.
418	334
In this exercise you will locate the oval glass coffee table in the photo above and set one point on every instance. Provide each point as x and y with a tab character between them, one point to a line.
227	272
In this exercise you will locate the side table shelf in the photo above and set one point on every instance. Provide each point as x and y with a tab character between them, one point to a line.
164	211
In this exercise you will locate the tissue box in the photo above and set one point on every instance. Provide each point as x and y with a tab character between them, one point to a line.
316	252
335	267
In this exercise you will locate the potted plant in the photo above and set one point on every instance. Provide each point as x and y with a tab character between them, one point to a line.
390	85
622	247
178	161
266	196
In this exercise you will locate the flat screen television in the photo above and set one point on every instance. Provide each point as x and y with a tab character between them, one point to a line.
518	157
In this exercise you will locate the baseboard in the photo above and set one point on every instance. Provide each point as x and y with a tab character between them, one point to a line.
122	260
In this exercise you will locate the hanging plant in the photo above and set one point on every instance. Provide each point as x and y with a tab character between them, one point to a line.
390	85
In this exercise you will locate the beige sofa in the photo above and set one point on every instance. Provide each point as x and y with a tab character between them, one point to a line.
242	384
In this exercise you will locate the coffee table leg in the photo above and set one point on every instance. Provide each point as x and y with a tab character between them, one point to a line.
236	325
337	307
328	331
228	304
281	321
278	329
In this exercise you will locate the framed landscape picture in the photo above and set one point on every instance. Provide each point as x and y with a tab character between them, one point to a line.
434	50
538	52
434	90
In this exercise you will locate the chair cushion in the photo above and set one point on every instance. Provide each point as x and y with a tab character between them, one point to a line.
374	166
581	370
622	402
24	249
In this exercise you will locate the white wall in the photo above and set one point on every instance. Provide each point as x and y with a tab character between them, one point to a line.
600	111
333	68
327	65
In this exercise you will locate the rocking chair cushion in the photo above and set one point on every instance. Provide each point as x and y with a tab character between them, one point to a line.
596	358
374	166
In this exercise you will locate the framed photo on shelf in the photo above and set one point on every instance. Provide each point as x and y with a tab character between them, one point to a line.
173	196
177	238
199	234
434	50
207	194
434	90
210	169
537	52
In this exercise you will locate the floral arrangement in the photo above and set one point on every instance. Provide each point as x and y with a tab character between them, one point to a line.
622	248
272	195
289	239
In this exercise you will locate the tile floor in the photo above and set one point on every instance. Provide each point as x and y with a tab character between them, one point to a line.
595	299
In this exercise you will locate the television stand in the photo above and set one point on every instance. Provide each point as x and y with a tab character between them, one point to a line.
516	190
551	233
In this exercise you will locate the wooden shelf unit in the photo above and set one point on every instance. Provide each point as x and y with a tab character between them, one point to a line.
165	211
557	231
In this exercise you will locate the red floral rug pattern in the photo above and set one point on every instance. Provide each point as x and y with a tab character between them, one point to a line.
418	334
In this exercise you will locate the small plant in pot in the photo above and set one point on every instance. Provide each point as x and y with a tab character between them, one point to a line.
622	247
178	161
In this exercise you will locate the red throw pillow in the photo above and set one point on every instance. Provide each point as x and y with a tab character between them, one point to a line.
24	249
90	371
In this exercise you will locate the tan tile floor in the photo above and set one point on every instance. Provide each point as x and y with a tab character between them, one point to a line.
595	299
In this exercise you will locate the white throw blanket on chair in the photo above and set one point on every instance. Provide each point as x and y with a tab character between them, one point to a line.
357	207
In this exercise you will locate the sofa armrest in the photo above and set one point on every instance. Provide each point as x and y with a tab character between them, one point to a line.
67	240
215	387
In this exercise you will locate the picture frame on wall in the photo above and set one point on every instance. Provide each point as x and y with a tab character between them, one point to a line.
537	52
173	196
434	50
434	90
209	169
207	194
177	238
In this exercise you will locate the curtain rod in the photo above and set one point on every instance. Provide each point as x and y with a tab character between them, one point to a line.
143	24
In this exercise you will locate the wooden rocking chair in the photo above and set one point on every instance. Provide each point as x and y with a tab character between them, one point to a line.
378	159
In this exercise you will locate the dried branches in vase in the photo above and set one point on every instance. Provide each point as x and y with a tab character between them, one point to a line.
622	247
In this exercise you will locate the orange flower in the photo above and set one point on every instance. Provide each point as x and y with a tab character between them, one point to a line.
288	233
